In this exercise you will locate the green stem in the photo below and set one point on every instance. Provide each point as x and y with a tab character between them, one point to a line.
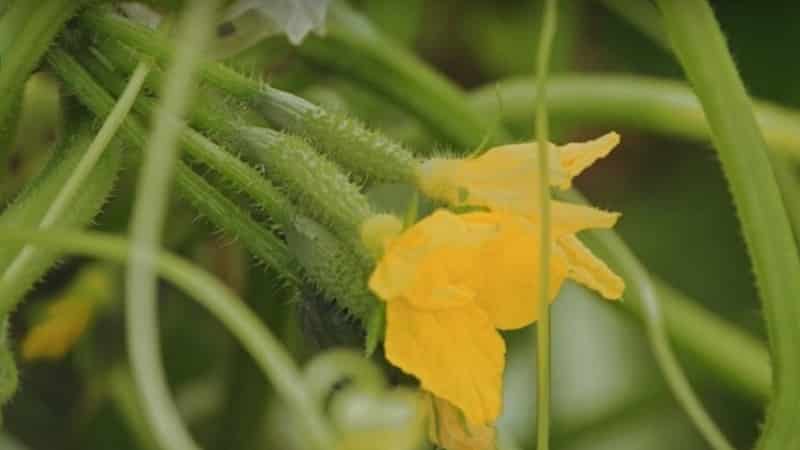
743	362
26	31
704	55
221	211
66	196
147	41
29	209
239	173
259	342
789	185
331	265
13	20
350	143
646	17
148	217
546	36
321	189
657	105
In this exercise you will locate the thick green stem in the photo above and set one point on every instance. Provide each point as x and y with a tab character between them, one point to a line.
83	170
259	240
546	36
704	55
33	204
647	18
320	188
241	175
347	141
329	264
26	31
651	104
317	185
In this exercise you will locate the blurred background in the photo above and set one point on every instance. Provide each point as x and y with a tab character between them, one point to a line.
608	393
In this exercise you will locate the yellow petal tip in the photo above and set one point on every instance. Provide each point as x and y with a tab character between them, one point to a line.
576	157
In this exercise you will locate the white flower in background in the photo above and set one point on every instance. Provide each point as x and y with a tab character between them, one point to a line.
246	22
295	18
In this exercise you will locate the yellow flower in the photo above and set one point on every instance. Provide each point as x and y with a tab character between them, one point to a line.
504	178
451	281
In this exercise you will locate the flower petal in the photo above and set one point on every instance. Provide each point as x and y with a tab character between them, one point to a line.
589	270
502	179
570	218
456	354
449	430
576	157
426	262
505	178
507	280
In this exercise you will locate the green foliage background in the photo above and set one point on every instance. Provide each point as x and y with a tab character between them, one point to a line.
678	218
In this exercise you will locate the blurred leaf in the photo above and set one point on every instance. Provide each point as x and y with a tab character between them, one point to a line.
400	23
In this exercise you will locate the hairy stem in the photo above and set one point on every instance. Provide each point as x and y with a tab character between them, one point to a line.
657	105
259	240
80	175
706	59
26	31
34	203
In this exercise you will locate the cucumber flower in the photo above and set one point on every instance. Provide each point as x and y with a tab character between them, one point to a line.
504	179
451	281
